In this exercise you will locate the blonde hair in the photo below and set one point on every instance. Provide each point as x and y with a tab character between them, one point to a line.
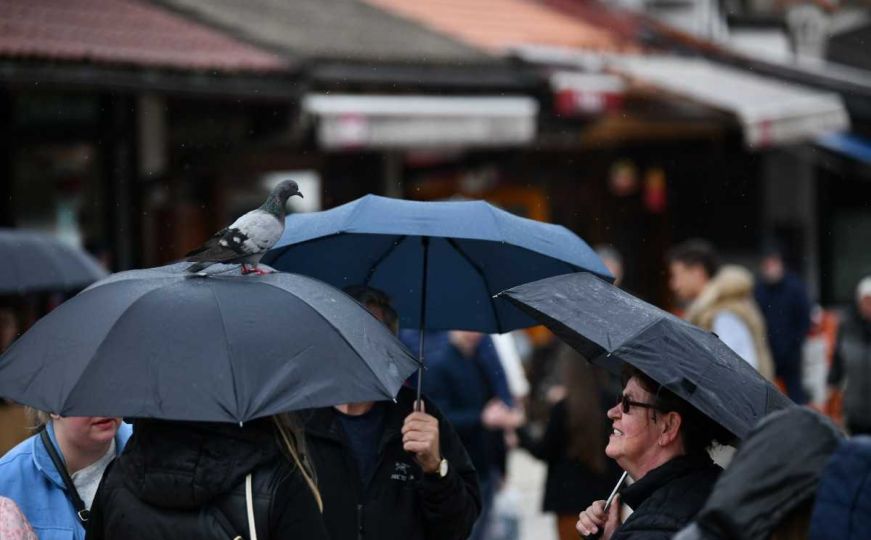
293	439
36	419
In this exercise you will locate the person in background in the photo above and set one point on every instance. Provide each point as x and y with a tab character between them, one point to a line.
784	303
851	365
53	475
720	300
573	444
465	379
662	442
613	261
387	470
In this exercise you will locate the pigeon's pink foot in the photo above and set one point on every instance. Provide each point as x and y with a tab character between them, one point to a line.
254	270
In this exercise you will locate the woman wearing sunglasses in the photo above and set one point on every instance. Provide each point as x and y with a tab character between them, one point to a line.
662	442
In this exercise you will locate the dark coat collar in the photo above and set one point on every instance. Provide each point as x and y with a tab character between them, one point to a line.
680	466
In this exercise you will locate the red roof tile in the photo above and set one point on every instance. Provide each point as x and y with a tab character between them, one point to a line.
500	24
124	32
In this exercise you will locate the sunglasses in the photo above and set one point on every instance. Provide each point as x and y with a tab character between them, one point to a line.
627	404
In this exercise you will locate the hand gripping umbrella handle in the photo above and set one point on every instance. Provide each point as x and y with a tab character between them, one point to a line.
608	502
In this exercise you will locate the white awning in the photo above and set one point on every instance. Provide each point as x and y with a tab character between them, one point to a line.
771	111
380	121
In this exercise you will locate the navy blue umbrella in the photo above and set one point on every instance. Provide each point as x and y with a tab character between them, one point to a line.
213	346
440	262
35	262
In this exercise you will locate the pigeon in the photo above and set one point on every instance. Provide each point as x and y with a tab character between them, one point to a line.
249	237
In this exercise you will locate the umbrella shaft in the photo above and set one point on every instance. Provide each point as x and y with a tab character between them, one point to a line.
424	241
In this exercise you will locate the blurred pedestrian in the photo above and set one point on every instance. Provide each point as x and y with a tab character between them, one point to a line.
851	365
13	524
210	480
662	442
784	303
53	475
613	261
465	379
720	300
388	471
842	509
573	444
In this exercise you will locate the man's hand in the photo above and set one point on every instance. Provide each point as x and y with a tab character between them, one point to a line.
594	518
420	436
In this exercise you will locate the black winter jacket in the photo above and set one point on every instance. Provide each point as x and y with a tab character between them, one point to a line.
187	480
667	498
400	502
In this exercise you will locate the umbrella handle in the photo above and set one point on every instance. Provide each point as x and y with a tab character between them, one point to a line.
598	534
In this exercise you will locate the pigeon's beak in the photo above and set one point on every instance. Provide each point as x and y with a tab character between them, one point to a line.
300	195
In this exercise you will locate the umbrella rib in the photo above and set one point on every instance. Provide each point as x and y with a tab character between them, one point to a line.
371	272
483	276
229	353
341	334
81	377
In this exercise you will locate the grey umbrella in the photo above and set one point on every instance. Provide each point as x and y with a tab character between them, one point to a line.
35	262
216	346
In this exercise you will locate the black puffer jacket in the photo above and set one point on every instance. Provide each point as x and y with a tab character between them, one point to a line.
667	498
187	480
400	502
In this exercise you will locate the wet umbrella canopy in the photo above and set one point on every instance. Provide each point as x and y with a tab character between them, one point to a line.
35	262
610	326
440	262
164	343
468	251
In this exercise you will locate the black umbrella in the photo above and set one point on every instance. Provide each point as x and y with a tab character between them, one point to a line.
35	262
165	343
610	326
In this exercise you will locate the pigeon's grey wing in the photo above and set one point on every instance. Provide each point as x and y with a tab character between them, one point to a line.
253	233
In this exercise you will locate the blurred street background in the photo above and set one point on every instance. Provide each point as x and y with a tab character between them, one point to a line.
136	128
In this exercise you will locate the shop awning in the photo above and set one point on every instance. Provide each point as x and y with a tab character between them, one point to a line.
771	112
380	121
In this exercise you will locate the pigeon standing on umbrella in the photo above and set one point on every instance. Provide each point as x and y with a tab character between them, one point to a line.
249	237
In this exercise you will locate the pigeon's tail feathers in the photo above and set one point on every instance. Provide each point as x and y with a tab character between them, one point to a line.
208	244
198	267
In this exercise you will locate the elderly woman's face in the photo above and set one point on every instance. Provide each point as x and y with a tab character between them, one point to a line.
634	435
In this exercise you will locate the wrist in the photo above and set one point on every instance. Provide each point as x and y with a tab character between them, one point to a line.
438	469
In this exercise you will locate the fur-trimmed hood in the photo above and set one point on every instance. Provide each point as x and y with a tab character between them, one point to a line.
732	290
732	282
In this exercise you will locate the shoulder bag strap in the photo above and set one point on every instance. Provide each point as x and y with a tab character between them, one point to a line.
72	493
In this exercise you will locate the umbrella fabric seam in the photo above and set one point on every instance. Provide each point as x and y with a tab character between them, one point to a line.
96	352
230	355
480	271
384	386
374	268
